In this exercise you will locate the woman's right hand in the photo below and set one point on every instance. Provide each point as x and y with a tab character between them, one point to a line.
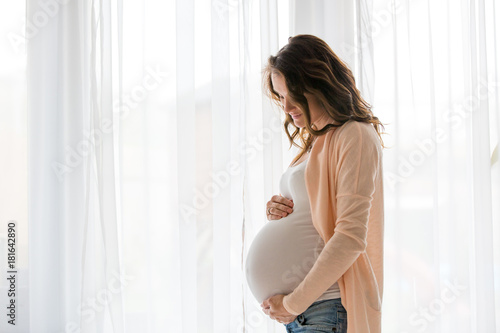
278	207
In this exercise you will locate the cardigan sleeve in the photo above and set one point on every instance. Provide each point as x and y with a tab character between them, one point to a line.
354	164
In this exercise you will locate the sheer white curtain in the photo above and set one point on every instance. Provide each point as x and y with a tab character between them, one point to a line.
437	85
76	277
152	152
145	119
430	69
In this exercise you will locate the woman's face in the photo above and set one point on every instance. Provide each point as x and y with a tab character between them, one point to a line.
297	115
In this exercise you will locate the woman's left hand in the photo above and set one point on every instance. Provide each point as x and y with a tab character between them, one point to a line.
273	307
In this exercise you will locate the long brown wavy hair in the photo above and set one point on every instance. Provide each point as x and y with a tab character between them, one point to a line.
309	65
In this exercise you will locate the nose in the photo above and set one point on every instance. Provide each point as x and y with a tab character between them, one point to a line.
287	106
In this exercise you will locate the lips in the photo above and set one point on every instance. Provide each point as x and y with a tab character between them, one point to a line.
295	116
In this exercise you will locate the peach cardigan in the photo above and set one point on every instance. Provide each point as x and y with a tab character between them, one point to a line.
344	184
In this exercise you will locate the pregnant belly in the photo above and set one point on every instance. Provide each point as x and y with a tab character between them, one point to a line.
280	256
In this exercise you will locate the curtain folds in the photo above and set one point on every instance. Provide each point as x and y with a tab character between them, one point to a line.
144	121
152	153
437	89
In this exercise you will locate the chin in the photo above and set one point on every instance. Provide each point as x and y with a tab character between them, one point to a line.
299	123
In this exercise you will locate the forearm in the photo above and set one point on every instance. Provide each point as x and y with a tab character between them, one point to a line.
339	253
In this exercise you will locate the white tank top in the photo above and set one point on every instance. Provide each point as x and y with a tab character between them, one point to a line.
284	250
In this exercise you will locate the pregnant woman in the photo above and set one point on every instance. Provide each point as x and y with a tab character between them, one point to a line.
317	265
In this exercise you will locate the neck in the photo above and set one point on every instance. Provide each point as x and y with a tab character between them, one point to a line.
323	120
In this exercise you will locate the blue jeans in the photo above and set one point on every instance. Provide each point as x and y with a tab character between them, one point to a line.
322	316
